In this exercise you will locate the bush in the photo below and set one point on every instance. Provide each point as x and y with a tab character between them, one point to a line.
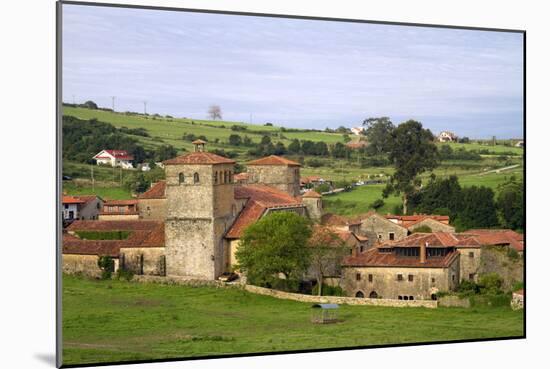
490	283
328	290
286	285
377	204
324	187
125	274
422	229
314	163
107	266
468	287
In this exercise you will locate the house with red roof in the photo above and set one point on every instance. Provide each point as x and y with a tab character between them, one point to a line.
152	203
119	210
114	158
81	207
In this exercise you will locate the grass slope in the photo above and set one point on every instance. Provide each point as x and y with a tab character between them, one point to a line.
115	320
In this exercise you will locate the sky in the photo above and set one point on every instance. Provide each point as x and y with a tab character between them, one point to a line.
294	73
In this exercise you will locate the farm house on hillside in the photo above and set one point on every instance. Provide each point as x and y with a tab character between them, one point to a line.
114	158
447	136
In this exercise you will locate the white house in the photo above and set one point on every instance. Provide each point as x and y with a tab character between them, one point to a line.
81	207
114	158
447	136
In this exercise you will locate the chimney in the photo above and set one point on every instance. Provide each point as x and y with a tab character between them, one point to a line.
423	252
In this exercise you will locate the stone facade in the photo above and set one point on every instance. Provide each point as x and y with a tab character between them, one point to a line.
152	209
379	229
314	206
200	209
385	284
85	264
470	262
282	177
106	216
143	260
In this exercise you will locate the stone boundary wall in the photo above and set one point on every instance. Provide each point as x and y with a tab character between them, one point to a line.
454	301
184	281
338	299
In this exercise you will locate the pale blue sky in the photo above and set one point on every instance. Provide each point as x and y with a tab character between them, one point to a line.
296	73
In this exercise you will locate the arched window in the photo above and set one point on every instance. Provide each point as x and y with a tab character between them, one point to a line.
230	177
225	176
196	177
373	295
182	178
360	294
216	177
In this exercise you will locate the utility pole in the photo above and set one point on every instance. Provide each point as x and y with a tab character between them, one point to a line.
250	120
113	98
74	101
145	107
93	181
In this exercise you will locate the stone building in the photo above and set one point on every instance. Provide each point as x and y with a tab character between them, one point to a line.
276	172
81	207
314	204
415	268
119	210
152	203
378	229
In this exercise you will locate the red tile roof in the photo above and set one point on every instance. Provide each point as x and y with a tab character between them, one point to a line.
120	202
157	191
198	142
312	194
408	220
330	219
310	179
273	160
199	157
436	239
119	154
241	176
499	237
259	199
375	258
78	199
144	233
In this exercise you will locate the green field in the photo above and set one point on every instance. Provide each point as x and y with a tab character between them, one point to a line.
120	321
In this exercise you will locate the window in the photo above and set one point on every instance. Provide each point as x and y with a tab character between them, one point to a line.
471	276
411	277
433	280
181	178
453	277
230	177
400	297
358	276
359	294
196	177
434	297
471	254
391	236
411	298
379	236
406	298
373	295
370	277
361	248
400	277
216	178
66	206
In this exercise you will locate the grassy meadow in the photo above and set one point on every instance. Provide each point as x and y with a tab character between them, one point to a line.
115	320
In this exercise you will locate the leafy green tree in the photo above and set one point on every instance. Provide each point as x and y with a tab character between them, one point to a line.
321	148
294	147
446	152
339	150
308	147
439	196
280	148
412	152
90	104
378	132
235	140
478	209
510	204
165	152
275	244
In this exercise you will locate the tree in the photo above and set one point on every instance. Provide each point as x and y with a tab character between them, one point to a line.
90	104
235	140
412	152
339	150
326	253
165	152
378	132
478	209
275	244
446	152
294	147
438	196
510	205
215	112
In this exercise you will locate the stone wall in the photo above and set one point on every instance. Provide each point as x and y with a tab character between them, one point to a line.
283	177
118	216
377	228
385	284
339	300
314	207
470	262
85	264
143	260
454	301
152	209
434	225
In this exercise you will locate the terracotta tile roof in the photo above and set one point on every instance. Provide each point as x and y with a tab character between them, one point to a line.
330	219
331	237
408	220
312	194
273	160
499	237
199	157
375	258
241	176
436	239
361	217
157	191
143	234
84	199
198	142
310	179
259	199
412	223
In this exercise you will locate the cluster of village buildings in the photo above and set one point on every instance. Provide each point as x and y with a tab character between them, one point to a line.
190	225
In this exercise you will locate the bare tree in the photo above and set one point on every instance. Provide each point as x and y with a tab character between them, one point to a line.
215	112
326	253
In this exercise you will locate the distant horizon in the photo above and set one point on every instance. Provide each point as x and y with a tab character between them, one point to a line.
294	73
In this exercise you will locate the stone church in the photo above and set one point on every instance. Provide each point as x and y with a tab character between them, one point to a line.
204	212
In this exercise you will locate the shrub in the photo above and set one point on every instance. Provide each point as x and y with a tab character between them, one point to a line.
422	229
125	274
468	287
377	204
328	291
107	265
325	187
314	163
490	283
